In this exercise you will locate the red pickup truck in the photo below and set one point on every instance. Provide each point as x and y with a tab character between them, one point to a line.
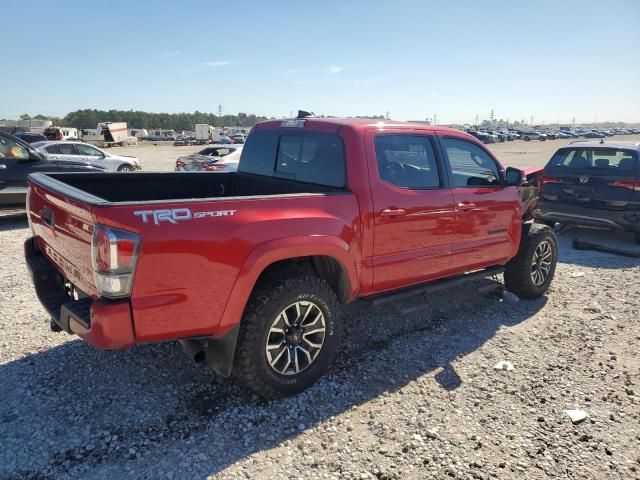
248	270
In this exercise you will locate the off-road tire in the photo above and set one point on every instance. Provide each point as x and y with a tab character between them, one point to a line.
518	272
274	293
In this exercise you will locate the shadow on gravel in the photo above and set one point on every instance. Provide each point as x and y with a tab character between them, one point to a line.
594	259
75	411
13	222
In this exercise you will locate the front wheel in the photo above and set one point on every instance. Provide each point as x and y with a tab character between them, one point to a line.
125	168
289	334
531	271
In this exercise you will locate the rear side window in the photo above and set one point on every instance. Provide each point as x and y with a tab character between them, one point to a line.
51	149
608	161
311	157
407	161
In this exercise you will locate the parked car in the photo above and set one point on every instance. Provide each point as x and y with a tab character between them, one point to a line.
30	137
593	183
238	138
249	270
593	134
533	135
18	159
182	142
78	151
215	158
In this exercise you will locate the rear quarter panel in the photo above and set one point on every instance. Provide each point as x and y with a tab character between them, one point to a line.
187	271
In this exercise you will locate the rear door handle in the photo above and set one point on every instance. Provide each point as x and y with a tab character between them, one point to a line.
465	206
392	212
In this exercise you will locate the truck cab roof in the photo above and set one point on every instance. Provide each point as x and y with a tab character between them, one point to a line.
358	124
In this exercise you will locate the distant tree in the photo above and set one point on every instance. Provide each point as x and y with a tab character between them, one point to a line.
25	116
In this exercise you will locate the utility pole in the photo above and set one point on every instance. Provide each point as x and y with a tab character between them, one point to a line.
220	110
435	118
491	117
531	121
387	115
476	119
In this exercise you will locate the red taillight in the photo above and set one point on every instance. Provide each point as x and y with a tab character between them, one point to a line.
114	254
212	167
630	184
549	179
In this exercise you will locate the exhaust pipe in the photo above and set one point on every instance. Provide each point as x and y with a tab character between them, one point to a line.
196	350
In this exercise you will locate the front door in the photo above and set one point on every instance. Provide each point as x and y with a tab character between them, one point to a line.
414	217
488	214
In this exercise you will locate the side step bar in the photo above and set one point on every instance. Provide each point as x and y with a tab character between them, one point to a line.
434	286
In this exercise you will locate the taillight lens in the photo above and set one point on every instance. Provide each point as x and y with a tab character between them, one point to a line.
630	184
212	167
114	254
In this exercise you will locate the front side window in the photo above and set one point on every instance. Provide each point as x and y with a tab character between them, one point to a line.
87	150
11	149
471	166
407	161
52	149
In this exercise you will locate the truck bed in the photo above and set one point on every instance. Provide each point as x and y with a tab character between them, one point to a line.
98	188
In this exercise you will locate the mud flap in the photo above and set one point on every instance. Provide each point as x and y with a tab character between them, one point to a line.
221	352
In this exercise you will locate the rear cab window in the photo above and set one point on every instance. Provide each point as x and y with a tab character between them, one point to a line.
605	161
305	156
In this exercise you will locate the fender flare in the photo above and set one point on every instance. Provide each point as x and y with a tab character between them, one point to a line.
267	253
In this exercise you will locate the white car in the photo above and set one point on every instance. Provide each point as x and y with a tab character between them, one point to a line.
83	152
214	158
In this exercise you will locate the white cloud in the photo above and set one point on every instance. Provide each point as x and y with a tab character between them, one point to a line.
217	63
330	70
169	54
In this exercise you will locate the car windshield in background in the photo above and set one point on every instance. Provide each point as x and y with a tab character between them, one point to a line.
610	161
310	157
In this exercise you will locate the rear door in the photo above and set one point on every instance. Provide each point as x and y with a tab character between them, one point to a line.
414	214
597	177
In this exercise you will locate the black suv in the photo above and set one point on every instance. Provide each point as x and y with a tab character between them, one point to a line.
17	160
595	184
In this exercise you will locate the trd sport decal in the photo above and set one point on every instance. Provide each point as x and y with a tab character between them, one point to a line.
175	215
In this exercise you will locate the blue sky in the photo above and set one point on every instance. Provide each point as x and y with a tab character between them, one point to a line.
552	60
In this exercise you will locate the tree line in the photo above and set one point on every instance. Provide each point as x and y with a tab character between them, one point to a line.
89	118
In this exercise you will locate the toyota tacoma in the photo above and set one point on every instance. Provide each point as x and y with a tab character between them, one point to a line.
249	270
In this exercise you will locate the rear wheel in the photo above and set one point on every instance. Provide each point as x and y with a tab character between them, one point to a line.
289	334
530	272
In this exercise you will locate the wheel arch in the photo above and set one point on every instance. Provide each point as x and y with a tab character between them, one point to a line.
329	257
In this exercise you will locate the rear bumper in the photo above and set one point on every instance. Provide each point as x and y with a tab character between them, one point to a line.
107	325
595	217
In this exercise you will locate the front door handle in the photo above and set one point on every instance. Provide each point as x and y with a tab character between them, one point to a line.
465	206
392	212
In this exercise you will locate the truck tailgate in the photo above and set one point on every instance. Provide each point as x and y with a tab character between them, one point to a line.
62	229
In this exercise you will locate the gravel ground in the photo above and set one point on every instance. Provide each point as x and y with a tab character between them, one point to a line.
414	393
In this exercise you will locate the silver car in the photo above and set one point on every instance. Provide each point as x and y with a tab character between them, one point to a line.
214	158
79	151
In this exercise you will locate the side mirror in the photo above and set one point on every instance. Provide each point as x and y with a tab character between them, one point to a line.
34	155
514	177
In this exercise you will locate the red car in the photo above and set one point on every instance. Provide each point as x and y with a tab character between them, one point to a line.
249	270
